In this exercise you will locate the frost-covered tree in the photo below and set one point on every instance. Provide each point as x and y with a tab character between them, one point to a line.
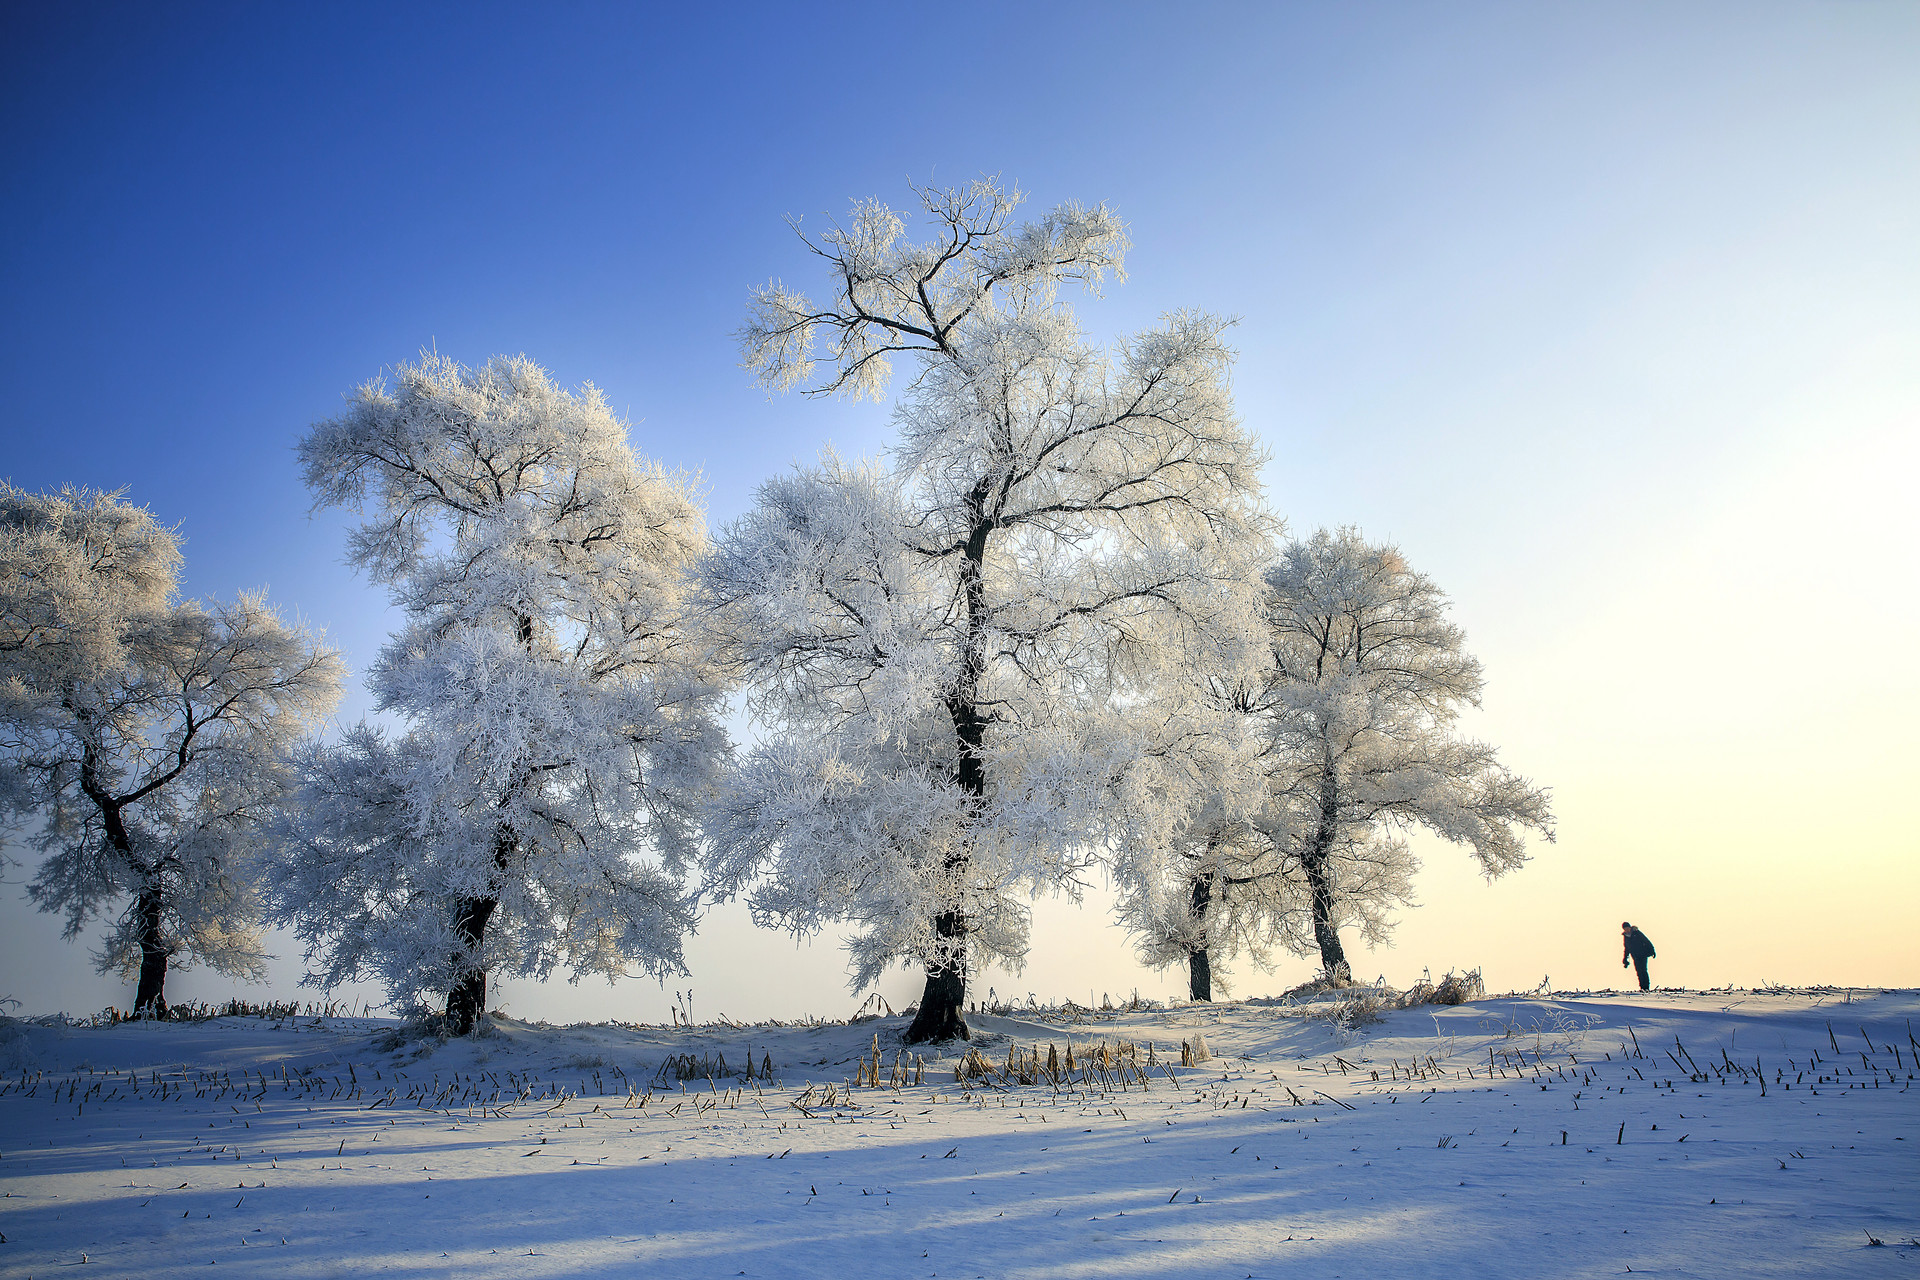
146	736
1354	720
1367	683
937	644
1195	862
540	807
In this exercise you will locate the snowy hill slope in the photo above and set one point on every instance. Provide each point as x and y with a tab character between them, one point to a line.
1715	1134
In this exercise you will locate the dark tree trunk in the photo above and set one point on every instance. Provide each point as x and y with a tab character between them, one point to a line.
1199	962
150	998
468	999
1199	976
1333	957
941	1004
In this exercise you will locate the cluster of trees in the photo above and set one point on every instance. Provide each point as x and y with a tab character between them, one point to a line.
1055	632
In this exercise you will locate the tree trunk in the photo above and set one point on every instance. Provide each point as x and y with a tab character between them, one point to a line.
941	1004
468	999
1199	976
149	998
1199	962
1333	957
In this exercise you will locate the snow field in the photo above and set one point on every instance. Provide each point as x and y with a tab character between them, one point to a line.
1516	1137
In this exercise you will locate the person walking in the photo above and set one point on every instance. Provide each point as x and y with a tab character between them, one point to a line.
1636	946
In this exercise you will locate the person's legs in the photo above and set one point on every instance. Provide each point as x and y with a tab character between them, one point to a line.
1640	968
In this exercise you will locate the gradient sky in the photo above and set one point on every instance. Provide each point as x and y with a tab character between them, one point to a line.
1609	315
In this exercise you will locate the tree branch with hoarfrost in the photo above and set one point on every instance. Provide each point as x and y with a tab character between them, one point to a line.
147	737
937	644
541	806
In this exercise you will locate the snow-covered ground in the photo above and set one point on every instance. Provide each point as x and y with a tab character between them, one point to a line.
1564	1136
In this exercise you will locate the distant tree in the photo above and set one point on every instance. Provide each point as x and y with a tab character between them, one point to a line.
1354	714
938	644
1367	682
561	733
146	736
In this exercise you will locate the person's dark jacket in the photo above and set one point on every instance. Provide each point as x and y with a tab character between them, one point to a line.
1639	945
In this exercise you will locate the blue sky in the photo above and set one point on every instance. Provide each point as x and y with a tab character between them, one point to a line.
1609	314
